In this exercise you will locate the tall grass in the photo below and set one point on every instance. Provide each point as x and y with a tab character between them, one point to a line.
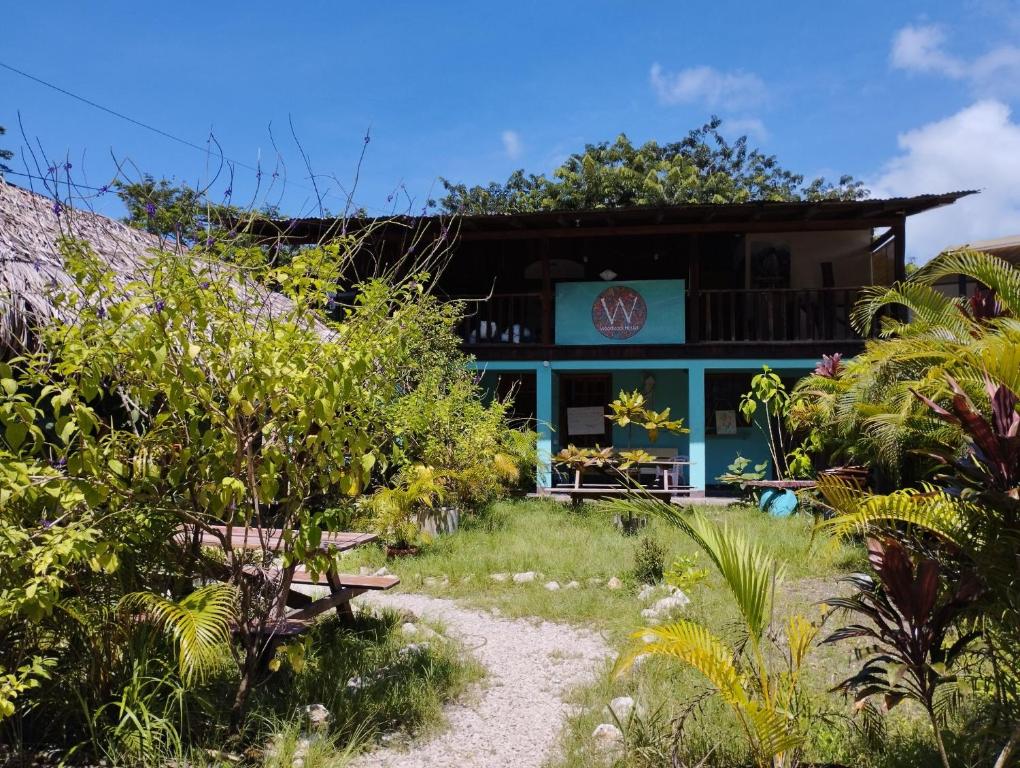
565	544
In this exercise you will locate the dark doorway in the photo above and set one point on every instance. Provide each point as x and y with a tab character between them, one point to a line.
585	390
520	389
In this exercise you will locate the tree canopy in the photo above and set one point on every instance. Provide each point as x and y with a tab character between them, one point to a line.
703	167
171	209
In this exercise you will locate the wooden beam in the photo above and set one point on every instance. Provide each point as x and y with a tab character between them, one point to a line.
736	227
694	289
547	296
883	240
900	249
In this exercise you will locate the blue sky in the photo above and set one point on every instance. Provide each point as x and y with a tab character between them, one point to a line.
909	96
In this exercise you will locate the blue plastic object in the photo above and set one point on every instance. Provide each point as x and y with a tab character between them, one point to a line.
778	503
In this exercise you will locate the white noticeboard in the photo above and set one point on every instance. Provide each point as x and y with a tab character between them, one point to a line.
586	421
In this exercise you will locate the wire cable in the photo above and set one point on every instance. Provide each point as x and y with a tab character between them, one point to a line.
122	116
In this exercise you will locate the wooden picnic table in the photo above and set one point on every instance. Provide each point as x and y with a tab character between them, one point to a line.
600	490
342	587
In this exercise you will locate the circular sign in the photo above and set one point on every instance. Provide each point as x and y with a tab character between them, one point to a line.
619	312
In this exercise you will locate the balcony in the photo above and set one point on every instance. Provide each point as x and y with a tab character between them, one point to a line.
506	319
743	316
782	315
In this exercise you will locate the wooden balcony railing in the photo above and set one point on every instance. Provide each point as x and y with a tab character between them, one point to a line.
506	318
772	315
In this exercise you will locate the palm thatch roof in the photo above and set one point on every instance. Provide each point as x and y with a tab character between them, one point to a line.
32	267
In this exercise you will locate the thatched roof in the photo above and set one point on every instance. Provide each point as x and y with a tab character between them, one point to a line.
32	268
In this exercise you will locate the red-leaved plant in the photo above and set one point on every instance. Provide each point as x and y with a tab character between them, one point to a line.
912	617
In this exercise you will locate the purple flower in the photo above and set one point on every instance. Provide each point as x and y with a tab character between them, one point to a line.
228	192
150	209
204	285
159	305
67	166
52	170
57	207
47	524
209	241
101	313
104	189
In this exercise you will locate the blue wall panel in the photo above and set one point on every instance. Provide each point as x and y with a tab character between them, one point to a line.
663	299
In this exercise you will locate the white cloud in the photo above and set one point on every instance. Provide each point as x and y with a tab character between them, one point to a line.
976	148
512	144
919	49
745	126
708	86
922	49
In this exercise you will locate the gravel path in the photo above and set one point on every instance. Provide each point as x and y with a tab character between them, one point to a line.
516	719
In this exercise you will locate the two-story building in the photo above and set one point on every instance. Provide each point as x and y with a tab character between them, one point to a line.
684	303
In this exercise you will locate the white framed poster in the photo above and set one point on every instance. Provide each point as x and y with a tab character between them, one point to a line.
726	422
590	420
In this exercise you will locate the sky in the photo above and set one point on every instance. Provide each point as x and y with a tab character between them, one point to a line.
910	97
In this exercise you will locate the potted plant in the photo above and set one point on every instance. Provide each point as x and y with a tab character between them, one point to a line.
397	511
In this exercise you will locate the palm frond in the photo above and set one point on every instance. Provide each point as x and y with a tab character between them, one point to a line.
930	310
199	624
697	647
999	275
931	510
775	733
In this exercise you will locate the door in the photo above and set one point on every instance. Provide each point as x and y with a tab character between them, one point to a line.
584	390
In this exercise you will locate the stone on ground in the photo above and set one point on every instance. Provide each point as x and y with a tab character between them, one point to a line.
524	578
614	583
552	586
621	707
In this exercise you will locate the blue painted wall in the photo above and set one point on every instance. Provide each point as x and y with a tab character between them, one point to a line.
664	299
721	450
678	385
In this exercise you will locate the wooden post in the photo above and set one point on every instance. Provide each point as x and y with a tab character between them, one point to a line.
694	290
547	296
900	250
900	260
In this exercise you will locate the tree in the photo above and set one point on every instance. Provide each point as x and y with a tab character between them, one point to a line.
168	209
703	167
5	154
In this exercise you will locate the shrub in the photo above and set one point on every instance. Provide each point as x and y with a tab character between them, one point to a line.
649	561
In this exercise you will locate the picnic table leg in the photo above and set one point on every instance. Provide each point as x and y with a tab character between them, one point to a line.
279	610
343	611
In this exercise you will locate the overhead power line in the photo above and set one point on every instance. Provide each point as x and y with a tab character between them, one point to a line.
122	116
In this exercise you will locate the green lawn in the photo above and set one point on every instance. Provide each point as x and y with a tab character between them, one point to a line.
565	544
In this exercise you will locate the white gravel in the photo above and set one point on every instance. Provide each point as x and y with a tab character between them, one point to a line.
516	718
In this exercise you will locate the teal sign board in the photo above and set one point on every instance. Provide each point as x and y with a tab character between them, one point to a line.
634	312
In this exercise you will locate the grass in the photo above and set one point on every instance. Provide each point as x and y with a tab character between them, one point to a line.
371	678
565	544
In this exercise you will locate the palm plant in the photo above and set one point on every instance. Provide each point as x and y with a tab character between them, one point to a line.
865	411
199	624
764	697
